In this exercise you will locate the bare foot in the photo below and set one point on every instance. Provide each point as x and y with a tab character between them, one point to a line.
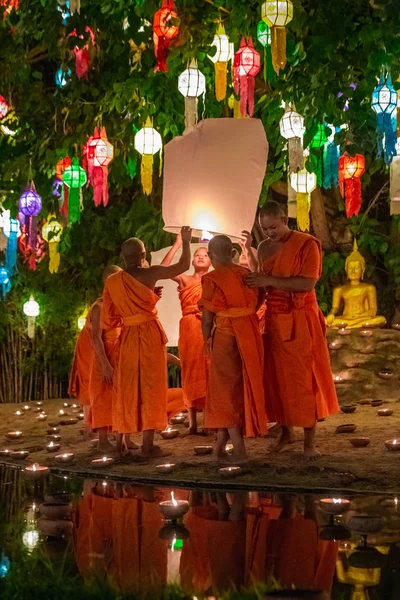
155	452
311	453
283	441
132	445
106	447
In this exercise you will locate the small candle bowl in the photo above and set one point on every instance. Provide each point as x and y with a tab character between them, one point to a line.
174	510
337	379
68	457
344	331
5	453
229	449
66	405
385	412
395	325
334	506
393	445
203	450
53	430
376	402
36	471
76	406
385	374
19	454
68	421
81	416
37	409
102	463
19	413
169	433
229	472
346	428
335	345
365	402
348	408
168	468
14	435
360	442
62	413
27	407
177	419
366	333
53	447
41	417
39	403
53	437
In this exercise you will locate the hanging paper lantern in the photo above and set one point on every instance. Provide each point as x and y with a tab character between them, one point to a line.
4	107
5	282
246	65
99	153
220	59
63	77
82	56
30	205
11	230
74	177
3	237
59	188
315	160
147	142
384	103
10	124
303	184
31	310
350	170
292	128
331	160
8	5
264	37
51	232
277	14
191	84
65	12
165	29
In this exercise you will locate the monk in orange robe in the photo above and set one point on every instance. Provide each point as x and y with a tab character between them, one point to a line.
80	373
175	396
141	373
105	336
190	344
235	399
298	379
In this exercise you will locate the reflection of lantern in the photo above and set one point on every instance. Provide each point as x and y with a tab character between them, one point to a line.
191	84
350	170
220	59
292	128
82	320
165	29
74	177
147	142
11	231
4	108
63	77
99	155
384	103
5	283
51	232
246	65
303	183
30	205
31	310
277	14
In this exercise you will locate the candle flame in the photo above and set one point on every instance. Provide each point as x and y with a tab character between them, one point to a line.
51	444
174	502
337	500
206	236
61	412
104	459
35	467
65	455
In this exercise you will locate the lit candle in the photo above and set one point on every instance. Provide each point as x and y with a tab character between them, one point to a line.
42	417
174	509
334	506
169	433
36	471
168	468
337	379
27	407
62	412
67	457
343	330
19	413
203	450
385	374
335	345
75	406
71	421
39	403
229	448
366	332
5	453
393	445
81	416
53	437
385	412
66	405
53	447
178	419
230	471
102	463
19	454
14	435
53	430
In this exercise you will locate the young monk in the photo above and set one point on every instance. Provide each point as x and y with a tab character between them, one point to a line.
193	360
298	379
141	374
105	336
235	399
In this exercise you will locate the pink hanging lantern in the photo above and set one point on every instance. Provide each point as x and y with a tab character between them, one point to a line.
246	65
99	153
4	107
82	57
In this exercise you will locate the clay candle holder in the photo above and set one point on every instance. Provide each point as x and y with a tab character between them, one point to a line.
14	435
174	509
5	453
53	430
203	450
396	326
334	506
177	419
102	463
385	374
337	379
385	412
343	330
335	346
19	454
365	402
19	413
68	457
169	433
229	472
41	417
168	468
366	333
53	447
53	437
62	413
393	445
81	416
39	403
376	402
68	421
360	442
348	408
347	428
27	407
36	471
66	405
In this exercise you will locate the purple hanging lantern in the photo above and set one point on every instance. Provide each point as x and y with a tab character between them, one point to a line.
30	205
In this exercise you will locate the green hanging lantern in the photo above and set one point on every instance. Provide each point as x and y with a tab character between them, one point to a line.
75	178
320	138
264	37
315	160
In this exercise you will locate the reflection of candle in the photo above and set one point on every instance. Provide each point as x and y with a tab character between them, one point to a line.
67	457
174	509
102	463
334	506
36	471
230	471
168	468
52	447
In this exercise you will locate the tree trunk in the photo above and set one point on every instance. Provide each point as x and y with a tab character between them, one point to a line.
318	219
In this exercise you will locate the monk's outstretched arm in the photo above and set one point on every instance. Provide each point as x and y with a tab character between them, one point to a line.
169	257
287	284
161	272
106	368
248	251
173	360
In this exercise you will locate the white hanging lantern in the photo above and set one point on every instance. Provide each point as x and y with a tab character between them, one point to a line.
277	14
148	142
222	56
191	84
31	310
303	183
292	128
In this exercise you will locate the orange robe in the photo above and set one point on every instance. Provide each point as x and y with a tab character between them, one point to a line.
101	393
141	374
298	379
191	347
80	373
175	401
235	395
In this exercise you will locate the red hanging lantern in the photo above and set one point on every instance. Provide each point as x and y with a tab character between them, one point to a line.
246	65
32	254
8	5
82	56
165	29
63	164
350	170
4	107
99	154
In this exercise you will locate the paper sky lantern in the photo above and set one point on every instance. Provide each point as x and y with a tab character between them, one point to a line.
292	128
384	103
350	170
303	183
191	84
30	205
277	14
51	232
5	282
211	183
99	154
147	142
82	56
4	107
31	310
220	59
63	77
395	182
12	231
246	65
74	177
165	29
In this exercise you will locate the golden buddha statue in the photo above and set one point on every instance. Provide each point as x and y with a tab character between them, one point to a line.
359	299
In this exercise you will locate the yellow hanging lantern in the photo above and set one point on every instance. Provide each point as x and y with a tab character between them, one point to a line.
51	233
277	14
220	59
303	183
147	142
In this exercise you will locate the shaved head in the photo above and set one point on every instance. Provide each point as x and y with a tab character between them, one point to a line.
221	246
110	270
273	209
133	251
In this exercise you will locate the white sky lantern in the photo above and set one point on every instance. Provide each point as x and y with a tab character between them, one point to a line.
147	142
303	183
191	84
292	128
213	177
31	310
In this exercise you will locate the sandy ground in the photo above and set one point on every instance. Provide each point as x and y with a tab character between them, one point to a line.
341	466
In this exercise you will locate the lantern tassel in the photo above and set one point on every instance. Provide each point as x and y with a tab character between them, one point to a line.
296	156
395	186
54	257
331	166
11	253
190	112
31	327
386	136
146	173
161	47
82	62
75	6
31	227
74	212
220	80
237	113
353	196
292	201
278	48
303	202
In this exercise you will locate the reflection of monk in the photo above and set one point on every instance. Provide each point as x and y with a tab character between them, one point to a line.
141	375
298	379
235	401
194	366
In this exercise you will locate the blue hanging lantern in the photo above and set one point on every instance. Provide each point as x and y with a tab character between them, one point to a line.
5	282
12	231
63	77
384	103
64	9
331	160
